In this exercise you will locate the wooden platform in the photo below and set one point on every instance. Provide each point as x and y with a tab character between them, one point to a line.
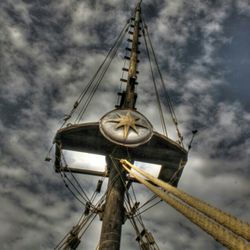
160	150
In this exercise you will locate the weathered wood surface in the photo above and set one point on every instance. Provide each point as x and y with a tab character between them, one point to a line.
114	211
159	150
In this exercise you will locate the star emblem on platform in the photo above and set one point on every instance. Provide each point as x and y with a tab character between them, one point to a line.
126	127
127	122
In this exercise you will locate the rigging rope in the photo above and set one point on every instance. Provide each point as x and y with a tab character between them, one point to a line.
129	207
127	204
84	196
169	102
223	227
71	191
80	225
137	212
155	87
73	232
235	225
100	73
173	178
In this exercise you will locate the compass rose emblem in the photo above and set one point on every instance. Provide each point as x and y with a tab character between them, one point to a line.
127	121
126	127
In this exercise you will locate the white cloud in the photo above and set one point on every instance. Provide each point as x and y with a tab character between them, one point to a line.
243	7
50	51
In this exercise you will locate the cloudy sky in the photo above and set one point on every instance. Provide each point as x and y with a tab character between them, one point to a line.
49	51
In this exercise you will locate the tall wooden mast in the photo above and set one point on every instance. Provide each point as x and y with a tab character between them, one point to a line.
113	216
130	96
120	134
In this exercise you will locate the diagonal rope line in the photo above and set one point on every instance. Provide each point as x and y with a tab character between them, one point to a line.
225	221
169	102
86	198
83	221
153	197
71	191
155	87
129	206
89	84
101	72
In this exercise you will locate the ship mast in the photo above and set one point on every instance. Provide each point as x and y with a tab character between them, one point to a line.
130	95
122	133
125	134
114	211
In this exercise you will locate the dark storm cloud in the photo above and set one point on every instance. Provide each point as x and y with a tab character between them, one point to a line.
49	51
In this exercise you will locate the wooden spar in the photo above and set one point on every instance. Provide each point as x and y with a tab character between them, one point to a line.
135	139
130	95
114	213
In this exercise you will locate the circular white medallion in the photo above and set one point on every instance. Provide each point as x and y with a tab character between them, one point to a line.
126	127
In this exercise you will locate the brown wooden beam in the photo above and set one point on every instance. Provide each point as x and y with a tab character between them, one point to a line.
113	216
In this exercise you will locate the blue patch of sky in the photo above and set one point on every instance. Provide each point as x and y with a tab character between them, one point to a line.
235	57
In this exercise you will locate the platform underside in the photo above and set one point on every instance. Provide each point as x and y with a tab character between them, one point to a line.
158	150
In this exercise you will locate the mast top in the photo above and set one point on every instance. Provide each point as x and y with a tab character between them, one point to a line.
129	96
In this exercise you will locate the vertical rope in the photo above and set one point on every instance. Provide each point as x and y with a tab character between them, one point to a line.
155	88
169	102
